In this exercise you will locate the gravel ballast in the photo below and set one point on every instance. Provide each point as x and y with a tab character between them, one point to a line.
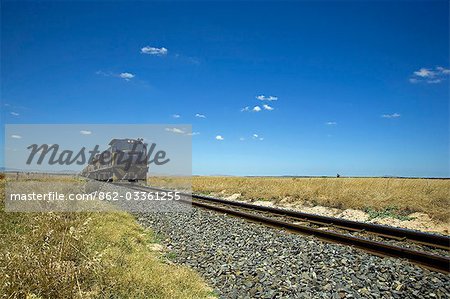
243	259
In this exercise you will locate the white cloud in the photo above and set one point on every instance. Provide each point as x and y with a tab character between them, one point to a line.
154	51
200	115
14	113
267	107
193	134
16	136
424	73
219	137
175	130
431	76
176	115
443	70
126	76
85	132
393	115
242	139
269	98
102	73
257	137
257	108
331	123
182	131
434	81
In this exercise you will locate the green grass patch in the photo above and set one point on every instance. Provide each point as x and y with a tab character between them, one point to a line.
171	255
389	212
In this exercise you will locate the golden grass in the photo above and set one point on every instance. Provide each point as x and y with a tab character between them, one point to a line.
171	182
86	255
431	196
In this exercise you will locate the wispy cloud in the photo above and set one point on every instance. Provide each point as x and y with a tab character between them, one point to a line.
16	136
430	75
331	123
85	132
175	130
154	51
102	73
443	70
257	108
393	115
257	137
434	81
267	107
424	73
266	98
242	139
193	134
176	115
127	76
219	137
200	115
14	113
182	132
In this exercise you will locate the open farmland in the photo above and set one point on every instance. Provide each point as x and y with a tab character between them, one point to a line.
379	197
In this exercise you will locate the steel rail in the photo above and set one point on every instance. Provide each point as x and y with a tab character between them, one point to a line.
432	240
428	239
432	261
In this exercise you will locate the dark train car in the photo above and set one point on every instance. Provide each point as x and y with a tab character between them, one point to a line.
124	159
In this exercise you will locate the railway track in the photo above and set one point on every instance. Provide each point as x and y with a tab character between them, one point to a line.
331	229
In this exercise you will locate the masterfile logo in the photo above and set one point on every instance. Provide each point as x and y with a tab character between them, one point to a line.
80	167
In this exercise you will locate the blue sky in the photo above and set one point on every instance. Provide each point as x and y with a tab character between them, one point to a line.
356	88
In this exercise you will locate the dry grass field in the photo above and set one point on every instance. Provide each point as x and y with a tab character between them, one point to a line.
86	255
376	195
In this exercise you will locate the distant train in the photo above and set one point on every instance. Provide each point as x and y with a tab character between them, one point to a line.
124	160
